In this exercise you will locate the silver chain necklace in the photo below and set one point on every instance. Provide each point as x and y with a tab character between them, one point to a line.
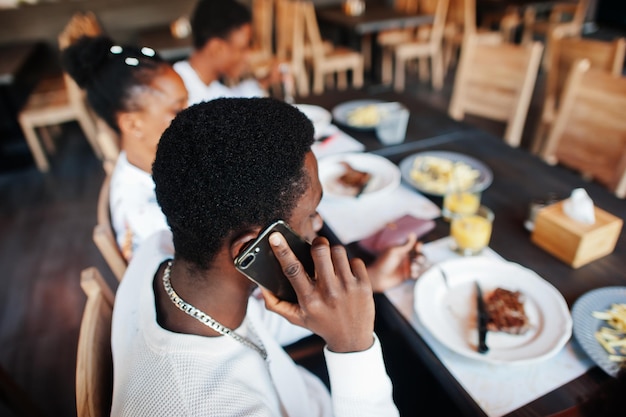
204	318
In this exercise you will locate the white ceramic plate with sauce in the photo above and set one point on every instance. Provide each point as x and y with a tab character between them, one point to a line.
449	312
585	325
385	175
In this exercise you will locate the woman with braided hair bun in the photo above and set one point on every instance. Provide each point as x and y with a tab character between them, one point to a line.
137	94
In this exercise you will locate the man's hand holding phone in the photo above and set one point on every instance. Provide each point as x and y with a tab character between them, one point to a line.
336	303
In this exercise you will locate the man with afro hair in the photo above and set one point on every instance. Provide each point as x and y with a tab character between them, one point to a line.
187	337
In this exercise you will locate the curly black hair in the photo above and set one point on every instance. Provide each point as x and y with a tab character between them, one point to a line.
217	19
229	165
112	75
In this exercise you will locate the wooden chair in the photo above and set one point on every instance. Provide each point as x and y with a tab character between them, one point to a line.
109	143
261	56
57	100
94	363
496	82
564	51
290	43
462	24
418	49
570	15
388	38
589	131
103	235
325	63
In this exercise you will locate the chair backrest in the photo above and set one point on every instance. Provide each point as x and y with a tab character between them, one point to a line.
94	363
569	12
565	50
263	25
109	143
439	23
103	235
406	6
589	132
80	24
313	36
496	82
284	28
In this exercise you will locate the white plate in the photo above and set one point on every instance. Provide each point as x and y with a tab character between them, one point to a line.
485	176
585	325
340	112
450	313
319	116
385	174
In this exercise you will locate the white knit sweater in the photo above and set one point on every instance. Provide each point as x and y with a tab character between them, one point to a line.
161	373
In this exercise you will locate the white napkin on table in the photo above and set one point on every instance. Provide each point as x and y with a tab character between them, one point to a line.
579	206
354	219
336	142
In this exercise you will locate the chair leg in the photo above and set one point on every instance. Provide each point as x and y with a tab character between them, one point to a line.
424	72
437	71
538	140
35	146
302	81
88	127
342	80
329	81
318	81
357	76
46	138
366	50
387	66
398	79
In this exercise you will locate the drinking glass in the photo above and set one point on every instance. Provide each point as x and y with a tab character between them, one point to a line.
391	129
458	202
472	232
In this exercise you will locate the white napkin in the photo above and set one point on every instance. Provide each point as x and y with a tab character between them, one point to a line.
580	207
336	142
355	219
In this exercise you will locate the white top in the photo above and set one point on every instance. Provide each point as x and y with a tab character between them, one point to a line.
198	91
158	372
135	213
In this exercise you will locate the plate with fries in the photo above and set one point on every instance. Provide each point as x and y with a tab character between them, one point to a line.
433	172
600	327
363	114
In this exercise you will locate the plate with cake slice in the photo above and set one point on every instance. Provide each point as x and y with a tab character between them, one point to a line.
357	175
529	320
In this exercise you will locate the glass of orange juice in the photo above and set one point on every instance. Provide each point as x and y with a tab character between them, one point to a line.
460	202
472	232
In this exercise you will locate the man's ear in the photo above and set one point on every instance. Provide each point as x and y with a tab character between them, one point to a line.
130	125
238	244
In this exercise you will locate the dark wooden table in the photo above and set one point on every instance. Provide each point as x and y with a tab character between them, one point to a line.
519	177
377	17
20	67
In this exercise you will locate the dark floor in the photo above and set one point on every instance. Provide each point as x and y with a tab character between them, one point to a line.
46	223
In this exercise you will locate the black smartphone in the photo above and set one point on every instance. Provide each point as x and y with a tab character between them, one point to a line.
258	262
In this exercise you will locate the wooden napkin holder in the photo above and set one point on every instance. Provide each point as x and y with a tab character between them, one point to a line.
573	242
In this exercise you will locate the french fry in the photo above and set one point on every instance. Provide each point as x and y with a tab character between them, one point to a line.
613	339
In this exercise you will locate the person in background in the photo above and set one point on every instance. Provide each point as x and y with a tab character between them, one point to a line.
137	94
222	36
187	338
